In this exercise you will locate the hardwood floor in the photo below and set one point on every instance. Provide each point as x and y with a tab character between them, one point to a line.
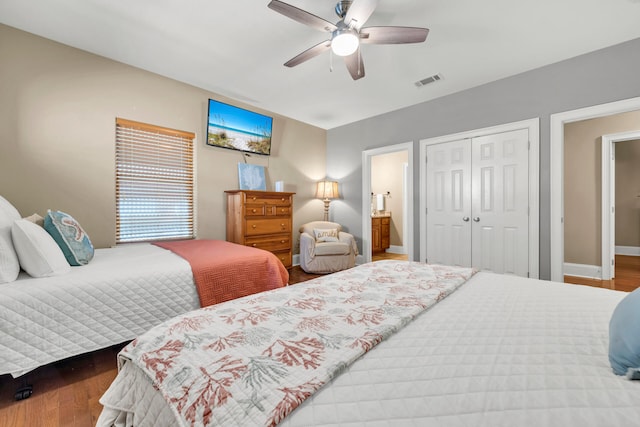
386	255
66	393
627	276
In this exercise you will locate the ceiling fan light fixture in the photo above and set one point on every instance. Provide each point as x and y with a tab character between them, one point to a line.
344	42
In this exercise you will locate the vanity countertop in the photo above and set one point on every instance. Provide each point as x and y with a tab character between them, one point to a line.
381	215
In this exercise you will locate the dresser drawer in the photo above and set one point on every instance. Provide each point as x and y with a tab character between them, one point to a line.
266	210
268	199
268	226
270	243
255	210
279	210
285	258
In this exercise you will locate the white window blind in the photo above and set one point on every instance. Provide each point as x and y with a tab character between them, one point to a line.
154	182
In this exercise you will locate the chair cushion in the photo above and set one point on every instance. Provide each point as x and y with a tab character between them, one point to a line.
326	234
332	248
308	227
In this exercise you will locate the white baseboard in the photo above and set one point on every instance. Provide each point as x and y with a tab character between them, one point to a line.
583	270
628	250
359	259
393	249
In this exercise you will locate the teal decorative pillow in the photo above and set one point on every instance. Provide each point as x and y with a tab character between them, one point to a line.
70	236
624	334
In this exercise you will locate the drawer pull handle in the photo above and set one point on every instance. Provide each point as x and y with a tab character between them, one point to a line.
282	241
281	225
283	199
253	198
253	210
253	226
254	245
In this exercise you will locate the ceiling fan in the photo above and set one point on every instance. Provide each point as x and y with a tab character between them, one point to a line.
348	33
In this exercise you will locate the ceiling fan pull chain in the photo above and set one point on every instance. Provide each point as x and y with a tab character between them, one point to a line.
331	61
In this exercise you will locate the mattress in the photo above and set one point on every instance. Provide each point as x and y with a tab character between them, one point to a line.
501	350
120	294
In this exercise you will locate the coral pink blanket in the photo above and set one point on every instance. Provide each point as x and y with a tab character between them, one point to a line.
224	271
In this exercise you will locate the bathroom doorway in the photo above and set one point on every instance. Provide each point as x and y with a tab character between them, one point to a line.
387	186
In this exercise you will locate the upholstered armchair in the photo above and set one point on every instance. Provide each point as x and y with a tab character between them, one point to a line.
325	248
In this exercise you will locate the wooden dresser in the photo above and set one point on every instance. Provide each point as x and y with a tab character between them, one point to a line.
380	233
262	219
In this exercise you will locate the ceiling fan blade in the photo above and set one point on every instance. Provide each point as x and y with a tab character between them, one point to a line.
359	12
393	35
309	53
355	65
301	16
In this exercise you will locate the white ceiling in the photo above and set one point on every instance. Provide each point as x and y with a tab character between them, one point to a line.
236	48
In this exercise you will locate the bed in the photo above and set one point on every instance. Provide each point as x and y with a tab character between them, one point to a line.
471	350
120	294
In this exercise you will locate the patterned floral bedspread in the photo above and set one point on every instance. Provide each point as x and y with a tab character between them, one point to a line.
251	361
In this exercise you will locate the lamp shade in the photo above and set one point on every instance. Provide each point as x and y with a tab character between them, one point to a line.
327	190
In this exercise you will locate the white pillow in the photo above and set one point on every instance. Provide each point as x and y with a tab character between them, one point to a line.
326	234
9	265
39	254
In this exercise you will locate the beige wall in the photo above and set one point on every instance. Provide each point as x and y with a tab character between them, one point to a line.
628	193
582	184
57	128
386	175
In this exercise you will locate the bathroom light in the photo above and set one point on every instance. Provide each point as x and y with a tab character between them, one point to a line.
344	42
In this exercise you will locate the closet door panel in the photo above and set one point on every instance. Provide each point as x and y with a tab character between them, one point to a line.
500	193
449	203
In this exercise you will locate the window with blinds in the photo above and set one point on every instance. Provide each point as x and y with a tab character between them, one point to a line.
154	182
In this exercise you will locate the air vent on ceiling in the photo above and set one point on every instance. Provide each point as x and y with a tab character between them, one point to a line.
428	80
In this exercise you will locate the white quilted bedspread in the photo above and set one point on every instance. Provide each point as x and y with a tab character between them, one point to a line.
120	294
500	351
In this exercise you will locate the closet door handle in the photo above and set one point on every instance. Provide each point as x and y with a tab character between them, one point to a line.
476	219
465	219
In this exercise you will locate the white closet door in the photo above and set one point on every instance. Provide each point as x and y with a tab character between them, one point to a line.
500	207
449	203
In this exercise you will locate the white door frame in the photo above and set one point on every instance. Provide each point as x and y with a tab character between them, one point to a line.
405	203
556	178
407	239
533	125
609	197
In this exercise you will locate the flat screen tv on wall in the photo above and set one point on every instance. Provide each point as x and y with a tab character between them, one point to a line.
238	129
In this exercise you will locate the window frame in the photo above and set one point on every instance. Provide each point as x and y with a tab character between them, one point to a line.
127	133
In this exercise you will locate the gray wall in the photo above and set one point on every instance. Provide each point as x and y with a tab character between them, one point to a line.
599	77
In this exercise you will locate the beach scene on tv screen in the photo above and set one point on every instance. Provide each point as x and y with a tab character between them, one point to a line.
240	129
